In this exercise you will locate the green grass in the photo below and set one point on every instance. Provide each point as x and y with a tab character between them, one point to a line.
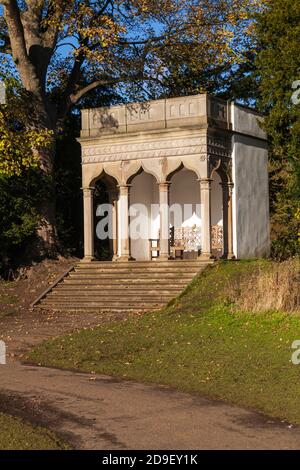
17	435
199	343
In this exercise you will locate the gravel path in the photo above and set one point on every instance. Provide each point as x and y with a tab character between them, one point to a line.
99	412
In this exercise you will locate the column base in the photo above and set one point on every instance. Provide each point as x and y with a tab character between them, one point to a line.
87	259
164	257
122	259
205	257
229	256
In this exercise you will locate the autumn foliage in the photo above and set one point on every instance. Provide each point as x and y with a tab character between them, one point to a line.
21	143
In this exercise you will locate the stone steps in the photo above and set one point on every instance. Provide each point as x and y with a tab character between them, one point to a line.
97	284
107	296
125	277
101	309
109	291
121	287
134	303
178	262
135	290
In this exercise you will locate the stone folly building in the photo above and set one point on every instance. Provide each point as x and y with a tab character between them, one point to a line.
195	152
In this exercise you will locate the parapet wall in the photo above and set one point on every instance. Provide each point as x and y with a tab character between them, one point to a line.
198	110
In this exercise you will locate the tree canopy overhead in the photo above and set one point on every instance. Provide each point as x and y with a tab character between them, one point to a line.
60	50
115	41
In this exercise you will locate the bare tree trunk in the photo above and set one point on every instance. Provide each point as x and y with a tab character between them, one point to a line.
46	230
48	244
31	49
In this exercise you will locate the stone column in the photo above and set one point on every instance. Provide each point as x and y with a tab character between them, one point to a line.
227	220
205	192
164	233
88	221
230	254
115	228
225	195
123	223
113	242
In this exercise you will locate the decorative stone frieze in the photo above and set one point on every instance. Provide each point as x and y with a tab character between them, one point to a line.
141	150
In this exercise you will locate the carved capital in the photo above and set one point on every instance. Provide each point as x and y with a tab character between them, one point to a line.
88	192
205	184
124	189
164	187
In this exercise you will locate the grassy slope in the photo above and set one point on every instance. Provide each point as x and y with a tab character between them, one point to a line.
17	435
199	343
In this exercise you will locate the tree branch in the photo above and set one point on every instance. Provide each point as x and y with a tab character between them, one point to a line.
18	45
104	82
74	97
143	41
63	44
103	9
31	19
15	28
51	32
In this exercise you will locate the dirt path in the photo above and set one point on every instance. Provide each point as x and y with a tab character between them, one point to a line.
98	412
22	328
27	329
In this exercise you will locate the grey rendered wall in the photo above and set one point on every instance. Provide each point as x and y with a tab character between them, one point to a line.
251	191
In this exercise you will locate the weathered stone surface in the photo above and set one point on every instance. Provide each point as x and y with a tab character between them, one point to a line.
122	286
200	133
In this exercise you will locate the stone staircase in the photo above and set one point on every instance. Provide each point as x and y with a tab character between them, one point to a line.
122	286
